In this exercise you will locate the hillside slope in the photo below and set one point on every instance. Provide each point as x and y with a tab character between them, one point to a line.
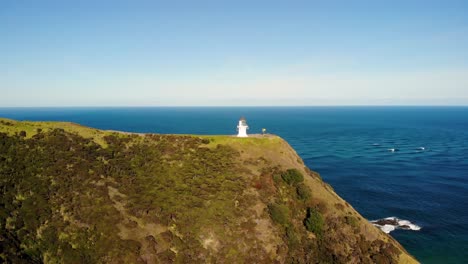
72	194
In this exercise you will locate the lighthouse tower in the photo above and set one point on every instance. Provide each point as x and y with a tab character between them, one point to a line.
242	128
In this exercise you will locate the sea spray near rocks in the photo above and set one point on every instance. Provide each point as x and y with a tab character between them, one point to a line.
389	224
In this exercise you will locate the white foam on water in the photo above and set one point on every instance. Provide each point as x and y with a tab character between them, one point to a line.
404	222
399	224
387	228
409	225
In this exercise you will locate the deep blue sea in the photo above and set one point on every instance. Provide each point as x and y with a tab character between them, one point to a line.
349	147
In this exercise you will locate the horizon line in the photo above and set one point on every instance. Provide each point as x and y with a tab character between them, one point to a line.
219	106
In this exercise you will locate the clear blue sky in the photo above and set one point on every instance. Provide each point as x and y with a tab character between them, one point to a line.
151	53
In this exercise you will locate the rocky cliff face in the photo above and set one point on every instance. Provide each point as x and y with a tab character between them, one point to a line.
72	194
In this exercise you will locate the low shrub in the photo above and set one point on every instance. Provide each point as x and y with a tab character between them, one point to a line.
292	237
303	192
292	176
314	222
276	178
279	213
352	221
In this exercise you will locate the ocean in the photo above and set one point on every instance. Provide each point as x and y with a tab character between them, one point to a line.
424	179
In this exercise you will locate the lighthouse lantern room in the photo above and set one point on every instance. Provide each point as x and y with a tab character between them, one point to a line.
242	128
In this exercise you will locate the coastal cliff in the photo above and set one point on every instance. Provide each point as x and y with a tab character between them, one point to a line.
72	194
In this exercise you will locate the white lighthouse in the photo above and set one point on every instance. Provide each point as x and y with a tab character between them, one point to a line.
242	128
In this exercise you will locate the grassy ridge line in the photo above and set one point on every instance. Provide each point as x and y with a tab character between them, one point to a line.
12	127
31	128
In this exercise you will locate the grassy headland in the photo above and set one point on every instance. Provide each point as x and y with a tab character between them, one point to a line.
72	194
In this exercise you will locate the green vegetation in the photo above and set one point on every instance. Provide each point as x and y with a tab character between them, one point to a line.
292	237
314	222
71	194
279	213
352	221
12	127
292	176
303	192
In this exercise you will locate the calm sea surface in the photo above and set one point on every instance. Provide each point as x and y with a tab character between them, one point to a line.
348	146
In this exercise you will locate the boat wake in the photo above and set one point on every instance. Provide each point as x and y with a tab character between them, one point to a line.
391	223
